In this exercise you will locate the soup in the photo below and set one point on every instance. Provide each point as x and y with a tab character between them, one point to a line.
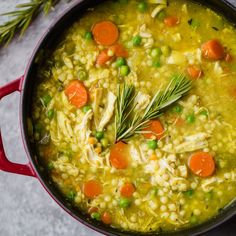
134	115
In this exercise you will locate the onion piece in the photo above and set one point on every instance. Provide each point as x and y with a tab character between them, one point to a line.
157	9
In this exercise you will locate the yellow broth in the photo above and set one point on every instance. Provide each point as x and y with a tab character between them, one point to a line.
168	195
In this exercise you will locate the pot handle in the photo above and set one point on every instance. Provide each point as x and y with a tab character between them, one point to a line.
5	164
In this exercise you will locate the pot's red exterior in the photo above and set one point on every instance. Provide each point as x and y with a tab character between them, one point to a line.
5	164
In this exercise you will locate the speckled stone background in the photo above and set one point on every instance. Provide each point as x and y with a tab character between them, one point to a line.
25	207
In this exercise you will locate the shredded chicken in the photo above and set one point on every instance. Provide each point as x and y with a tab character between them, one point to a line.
135	154
82	129
97	102
197	137
111	98
92	157
144	32
191	146
63	128
206	184
192	143
142	100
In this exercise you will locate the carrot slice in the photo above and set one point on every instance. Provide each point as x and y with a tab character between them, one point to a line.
194	71
127	190
76	93
156	129
171	21
92	188
103	57
119	50
213	50
202	164
105	33
106	218
119	155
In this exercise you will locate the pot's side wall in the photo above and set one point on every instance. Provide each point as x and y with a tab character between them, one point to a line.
46	46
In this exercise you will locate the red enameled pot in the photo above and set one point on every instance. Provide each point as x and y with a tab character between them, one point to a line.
25	84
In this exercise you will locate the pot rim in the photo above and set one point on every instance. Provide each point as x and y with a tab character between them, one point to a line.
197	230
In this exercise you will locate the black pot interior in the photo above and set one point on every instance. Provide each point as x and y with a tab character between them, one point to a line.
48	43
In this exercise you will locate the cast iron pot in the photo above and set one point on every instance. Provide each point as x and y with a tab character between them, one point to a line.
28	81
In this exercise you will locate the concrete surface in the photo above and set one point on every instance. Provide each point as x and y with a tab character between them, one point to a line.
25	207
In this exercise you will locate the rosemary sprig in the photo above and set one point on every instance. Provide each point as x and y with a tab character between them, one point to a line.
128	124
125	98
22	17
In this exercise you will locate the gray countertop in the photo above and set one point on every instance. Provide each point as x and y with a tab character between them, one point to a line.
25	207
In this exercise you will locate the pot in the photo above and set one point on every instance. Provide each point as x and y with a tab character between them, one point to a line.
25	84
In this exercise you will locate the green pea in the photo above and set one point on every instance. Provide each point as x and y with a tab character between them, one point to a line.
104	142
204	113
71	196
193	220
96	216
156	64
88	35
120	62
166	50
137	40
152	144
46	99
190	118
50	166
156	52
99	135
161	16
86	108
177	109
124	70
194	23
50	114
142	7
82	75
124	203
188	193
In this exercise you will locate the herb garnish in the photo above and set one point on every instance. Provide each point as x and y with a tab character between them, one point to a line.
130	121
22	17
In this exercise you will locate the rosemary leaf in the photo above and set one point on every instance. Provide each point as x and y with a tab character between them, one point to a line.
128	124
22	17
124	108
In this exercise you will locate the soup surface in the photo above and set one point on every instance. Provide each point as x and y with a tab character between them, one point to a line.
134	117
